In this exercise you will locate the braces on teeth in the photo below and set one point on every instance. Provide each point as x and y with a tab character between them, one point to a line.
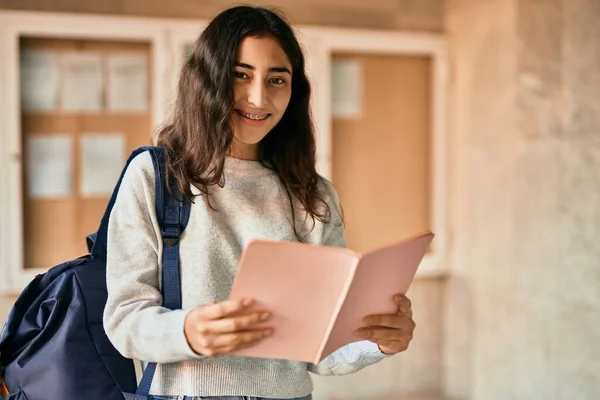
254	117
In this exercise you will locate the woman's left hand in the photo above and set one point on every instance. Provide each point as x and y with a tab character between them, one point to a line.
391	332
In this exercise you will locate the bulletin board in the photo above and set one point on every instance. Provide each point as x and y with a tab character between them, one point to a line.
381	141
85	105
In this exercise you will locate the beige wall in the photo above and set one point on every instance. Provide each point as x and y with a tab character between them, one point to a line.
415	15
523	304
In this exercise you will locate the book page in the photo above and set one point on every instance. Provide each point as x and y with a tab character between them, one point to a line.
303	286
380	275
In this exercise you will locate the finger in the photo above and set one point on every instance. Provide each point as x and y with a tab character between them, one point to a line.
223	309
404	303
217	343
384	334
392	346
389	344
234	324
231	349
402	321
245	345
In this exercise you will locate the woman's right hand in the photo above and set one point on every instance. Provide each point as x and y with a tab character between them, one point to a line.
212	329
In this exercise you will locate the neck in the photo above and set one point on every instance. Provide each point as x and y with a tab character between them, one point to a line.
243	151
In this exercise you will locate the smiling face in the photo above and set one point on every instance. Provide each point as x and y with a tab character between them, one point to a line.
262	92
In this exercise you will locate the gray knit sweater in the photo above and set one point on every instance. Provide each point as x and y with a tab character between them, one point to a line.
252	204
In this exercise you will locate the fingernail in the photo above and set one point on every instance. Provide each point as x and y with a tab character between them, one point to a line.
268	332
359	333
247	302
369	320
265	315
398	298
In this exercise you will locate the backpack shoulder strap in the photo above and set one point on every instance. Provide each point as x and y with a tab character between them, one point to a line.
173	213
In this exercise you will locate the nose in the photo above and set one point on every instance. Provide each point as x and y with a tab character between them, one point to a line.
257	95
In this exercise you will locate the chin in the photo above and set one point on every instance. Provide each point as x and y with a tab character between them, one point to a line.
251	139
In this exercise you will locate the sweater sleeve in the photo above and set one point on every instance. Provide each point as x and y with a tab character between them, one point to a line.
354	356
134	319
333	231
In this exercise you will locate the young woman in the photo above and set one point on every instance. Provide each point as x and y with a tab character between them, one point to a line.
241	147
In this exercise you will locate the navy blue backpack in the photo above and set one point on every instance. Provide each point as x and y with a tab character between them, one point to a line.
53	345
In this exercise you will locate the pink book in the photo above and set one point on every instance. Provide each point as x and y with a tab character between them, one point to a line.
319	295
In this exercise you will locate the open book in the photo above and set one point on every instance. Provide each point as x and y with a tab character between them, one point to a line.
319	295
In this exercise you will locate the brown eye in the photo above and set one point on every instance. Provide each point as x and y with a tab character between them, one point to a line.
277	81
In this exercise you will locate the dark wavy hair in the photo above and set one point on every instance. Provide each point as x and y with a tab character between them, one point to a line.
200	134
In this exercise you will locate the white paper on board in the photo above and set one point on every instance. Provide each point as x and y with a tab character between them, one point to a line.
49	166
83	82
40	80
102	160
128	82
347	88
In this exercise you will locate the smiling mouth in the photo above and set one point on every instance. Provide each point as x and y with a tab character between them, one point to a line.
253	117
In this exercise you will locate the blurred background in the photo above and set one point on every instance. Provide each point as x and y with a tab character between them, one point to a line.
477	119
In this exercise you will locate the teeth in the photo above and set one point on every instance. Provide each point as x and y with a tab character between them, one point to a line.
254	117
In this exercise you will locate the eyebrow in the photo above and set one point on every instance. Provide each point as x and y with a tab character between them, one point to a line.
272	69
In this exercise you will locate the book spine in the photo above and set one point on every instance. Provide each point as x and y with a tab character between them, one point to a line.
338	308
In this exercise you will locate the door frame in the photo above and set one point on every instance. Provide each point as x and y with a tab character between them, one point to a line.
14	24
